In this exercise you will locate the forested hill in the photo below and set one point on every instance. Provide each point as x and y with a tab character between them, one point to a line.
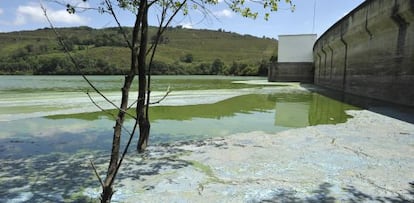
104	51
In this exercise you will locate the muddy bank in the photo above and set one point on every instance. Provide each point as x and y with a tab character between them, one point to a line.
368	158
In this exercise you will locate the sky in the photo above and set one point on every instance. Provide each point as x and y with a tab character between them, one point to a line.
309	16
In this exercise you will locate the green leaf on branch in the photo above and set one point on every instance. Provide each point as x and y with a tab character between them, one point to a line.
70	9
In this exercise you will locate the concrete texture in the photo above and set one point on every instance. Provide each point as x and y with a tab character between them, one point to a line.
291	72
295	59
370	52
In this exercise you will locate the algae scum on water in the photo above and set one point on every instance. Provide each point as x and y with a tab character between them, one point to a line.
59	126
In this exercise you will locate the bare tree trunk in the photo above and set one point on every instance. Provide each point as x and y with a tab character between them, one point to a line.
107	189
144	123
106	194
138	66
116	142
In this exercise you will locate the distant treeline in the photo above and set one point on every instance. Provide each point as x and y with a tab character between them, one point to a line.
217	67
105	52
59	66
64	66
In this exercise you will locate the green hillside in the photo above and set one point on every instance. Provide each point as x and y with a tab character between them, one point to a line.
103	51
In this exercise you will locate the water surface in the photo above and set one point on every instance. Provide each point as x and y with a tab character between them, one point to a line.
49	127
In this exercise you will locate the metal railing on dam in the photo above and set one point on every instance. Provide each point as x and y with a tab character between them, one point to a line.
370	52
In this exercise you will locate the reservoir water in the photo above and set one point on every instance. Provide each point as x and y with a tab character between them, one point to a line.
49	126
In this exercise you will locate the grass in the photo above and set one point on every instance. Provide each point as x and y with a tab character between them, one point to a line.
204	45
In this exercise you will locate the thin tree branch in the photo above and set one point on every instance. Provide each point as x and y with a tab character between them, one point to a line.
206	12
99	107
107	112
156	102
111	10
161	29
153	2
73	60
125	151
96	173
79	7
132	104
140	23
165	96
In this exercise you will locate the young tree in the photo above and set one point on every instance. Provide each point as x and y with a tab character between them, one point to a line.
139	53
217	66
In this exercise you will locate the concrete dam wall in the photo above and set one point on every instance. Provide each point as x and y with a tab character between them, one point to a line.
370	52
295	59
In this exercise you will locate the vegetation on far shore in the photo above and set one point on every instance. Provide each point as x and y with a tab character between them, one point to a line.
104	52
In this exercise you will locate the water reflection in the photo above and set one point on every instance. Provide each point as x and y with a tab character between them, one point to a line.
290	109
40	154
270	113
309	109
